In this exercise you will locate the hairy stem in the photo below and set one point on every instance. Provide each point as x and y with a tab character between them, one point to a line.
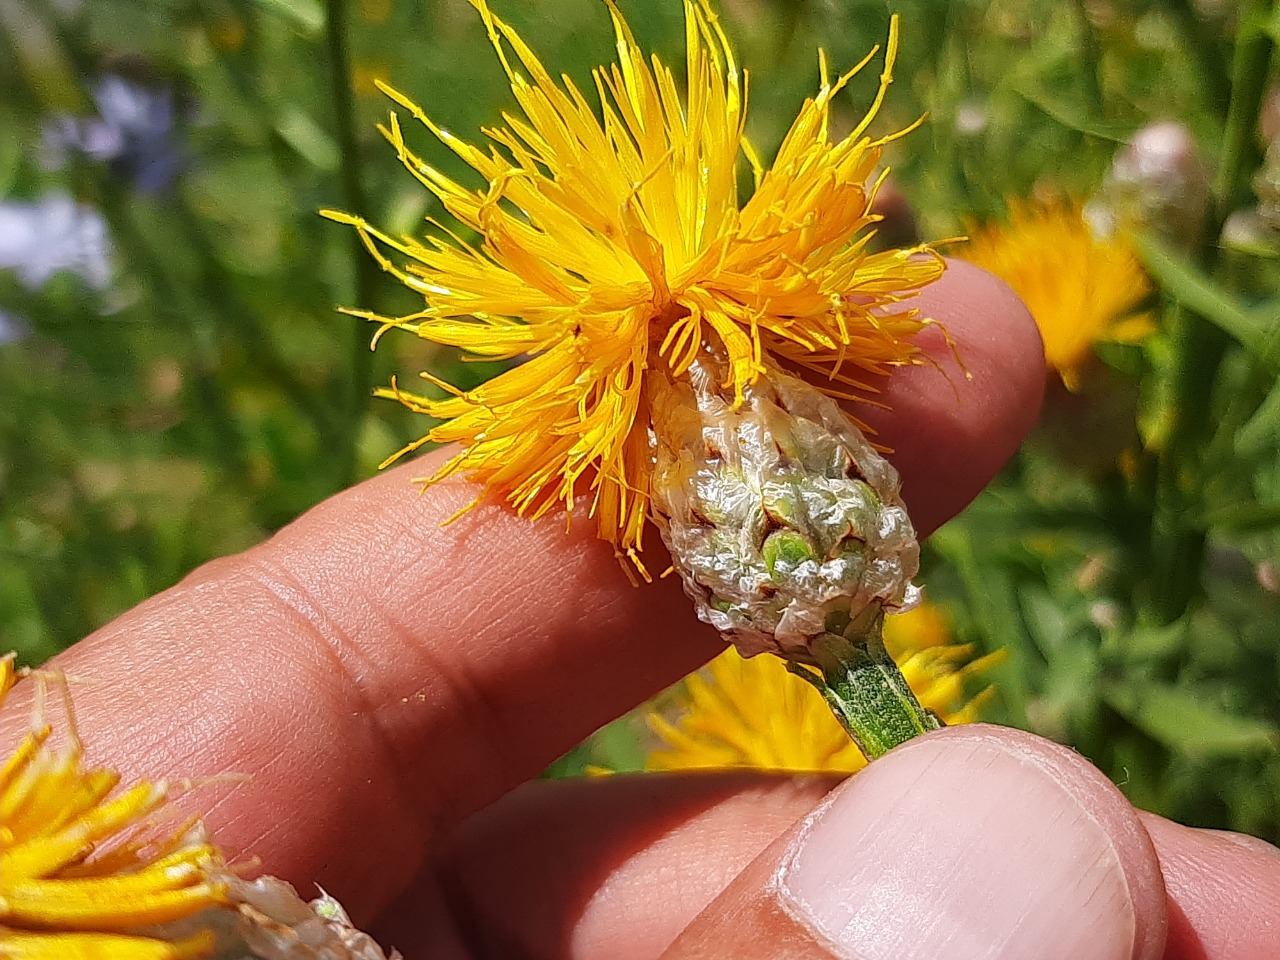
865	689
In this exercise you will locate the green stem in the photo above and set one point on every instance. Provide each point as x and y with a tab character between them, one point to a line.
354	197
1205	50
865	689
1178	538
1250	67
1091	54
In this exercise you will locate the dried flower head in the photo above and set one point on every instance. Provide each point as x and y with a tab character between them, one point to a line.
1079	287
751	713
1157	181
613	246
77	875
87	874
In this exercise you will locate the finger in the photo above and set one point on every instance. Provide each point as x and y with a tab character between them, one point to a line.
969	842
380	675
608	868
615	868
1223	889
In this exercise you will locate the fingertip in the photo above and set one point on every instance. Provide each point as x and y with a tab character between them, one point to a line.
971	842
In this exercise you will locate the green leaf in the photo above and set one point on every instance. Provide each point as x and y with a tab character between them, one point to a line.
307	16
1068	696
1046	620
1146	642
1186	721
1261	431
1244	517
1070	113
1256	329
309	140
619	746
992	596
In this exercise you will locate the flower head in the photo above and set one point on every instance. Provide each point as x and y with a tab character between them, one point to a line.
1080	288
86	875
79	874
752	713
612	244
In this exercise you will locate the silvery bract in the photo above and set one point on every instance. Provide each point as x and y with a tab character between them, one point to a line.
265	919
784	523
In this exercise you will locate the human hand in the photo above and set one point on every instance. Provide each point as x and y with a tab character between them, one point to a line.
382	678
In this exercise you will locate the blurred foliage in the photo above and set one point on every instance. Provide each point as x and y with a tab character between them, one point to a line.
175	383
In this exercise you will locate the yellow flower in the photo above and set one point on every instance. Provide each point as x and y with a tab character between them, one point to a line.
84	874
753	713
1080	288
78	869
612	246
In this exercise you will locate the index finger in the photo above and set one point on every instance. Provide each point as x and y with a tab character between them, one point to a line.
380	675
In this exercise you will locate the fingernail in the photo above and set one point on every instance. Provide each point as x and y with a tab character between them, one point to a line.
959	848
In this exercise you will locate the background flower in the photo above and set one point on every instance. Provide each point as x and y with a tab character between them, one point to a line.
753	713
88	871
80	873
1080	288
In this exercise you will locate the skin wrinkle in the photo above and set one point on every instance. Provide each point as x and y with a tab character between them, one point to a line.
256	829
941	397
473	708
333	648
1204	868
518	841
192	730
500	634
457	699
489	534
448	689
491	755
285	646
452	693
619	884
304	607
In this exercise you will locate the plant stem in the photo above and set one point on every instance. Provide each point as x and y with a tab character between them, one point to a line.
1091	54
1178	537
354	197
865	689
1250	67
1205	52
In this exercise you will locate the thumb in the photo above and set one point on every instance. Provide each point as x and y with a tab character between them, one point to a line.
970	842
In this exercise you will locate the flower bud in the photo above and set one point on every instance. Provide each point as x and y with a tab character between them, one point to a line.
1157	182
783	522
